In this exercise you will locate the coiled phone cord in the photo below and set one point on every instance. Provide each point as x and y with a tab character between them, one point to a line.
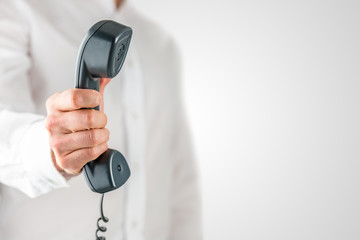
102	217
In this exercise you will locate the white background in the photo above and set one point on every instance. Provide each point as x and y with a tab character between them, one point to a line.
272	91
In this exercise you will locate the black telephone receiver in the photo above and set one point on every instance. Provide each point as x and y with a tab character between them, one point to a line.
101	55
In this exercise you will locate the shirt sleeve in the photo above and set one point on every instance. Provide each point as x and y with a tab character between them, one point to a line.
25	157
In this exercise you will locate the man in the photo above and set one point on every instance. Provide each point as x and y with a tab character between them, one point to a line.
44	146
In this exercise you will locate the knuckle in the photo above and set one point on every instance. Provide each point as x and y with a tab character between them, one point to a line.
106	118
66	163
49	123
93	138
55	143
63	162
74	98
50	101
107	134
90	118
92	153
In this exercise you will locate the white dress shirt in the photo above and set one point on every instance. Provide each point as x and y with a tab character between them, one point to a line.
39	41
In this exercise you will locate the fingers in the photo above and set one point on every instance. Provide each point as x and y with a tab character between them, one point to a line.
73	99
77	133
73	162
64	144
73	121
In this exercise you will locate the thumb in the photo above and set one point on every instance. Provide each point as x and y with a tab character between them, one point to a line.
103	83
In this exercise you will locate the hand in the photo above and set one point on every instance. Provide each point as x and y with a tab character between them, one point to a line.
77	135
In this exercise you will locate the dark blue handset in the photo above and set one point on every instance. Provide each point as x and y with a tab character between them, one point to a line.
101	55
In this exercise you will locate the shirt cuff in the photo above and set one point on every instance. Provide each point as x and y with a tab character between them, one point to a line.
39	170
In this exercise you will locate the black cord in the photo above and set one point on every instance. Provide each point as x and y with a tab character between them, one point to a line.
102	217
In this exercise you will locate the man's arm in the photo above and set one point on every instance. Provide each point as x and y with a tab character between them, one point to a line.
25	159
75	135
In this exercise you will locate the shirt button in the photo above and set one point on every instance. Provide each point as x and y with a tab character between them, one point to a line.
134	116
134	224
